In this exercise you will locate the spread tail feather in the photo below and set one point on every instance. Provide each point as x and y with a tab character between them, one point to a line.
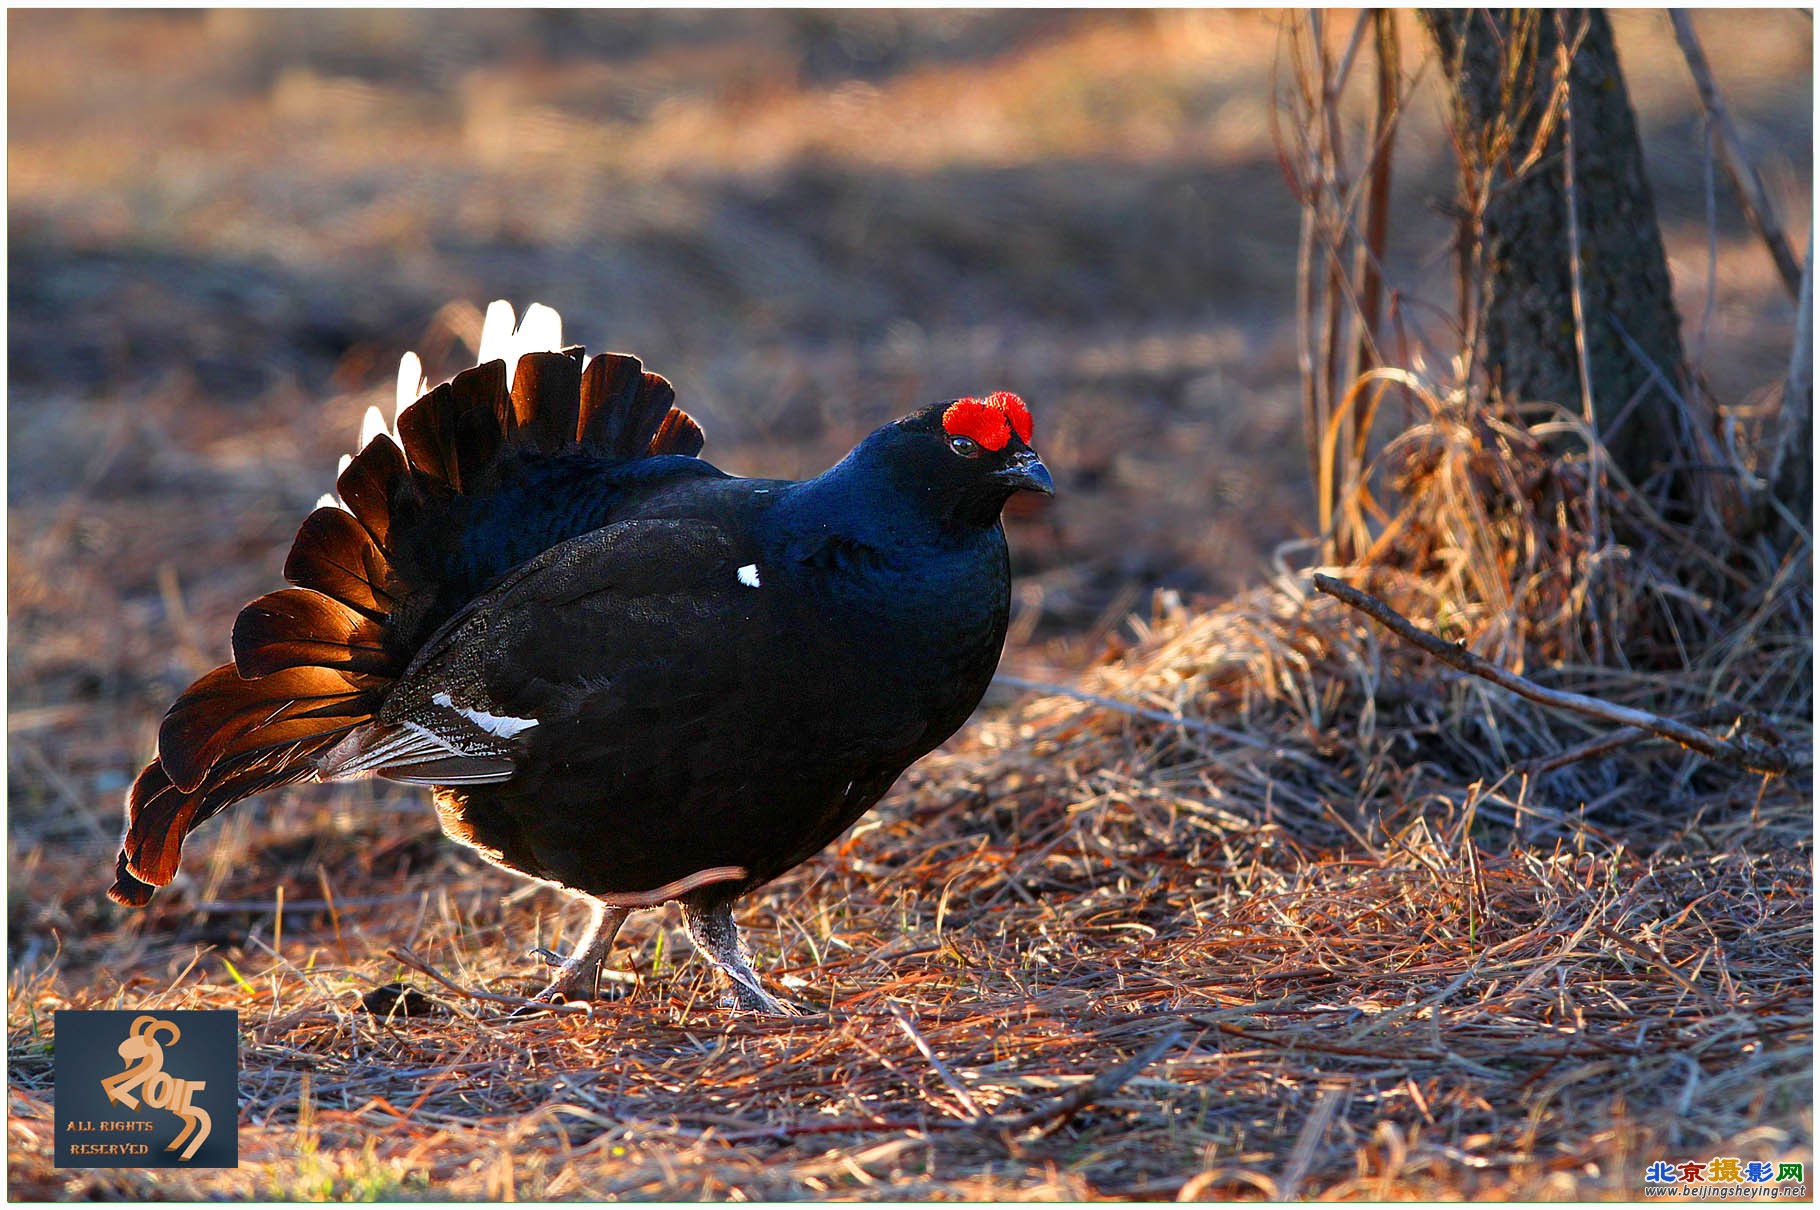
160	814
374	575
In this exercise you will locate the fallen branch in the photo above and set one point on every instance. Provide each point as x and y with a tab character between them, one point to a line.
1611	741
1774	763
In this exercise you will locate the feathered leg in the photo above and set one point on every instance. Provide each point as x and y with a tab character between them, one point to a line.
577	974
709	919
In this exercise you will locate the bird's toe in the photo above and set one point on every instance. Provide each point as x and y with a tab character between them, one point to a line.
546	955
744	998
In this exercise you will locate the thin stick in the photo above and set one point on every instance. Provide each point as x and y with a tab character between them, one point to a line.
1791	468
1611	741
1052	1117
1759	211
941	1069
673	890
1774	763
219	907
1377	204
406	957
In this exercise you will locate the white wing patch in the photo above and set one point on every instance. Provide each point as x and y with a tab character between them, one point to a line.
748	575
502	725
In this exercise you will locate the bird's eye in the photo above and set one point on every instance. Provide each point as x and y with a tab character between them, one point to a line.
966	447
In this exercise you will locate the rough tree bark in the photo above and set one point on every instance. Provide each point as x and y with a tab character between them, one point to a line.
1503	65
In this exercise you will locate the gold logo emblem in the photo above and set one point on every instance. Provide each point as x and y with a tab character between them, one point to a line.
144	1056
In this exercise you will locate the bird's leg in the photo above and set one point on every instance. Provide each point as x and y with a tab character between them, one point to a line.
576	974
709	920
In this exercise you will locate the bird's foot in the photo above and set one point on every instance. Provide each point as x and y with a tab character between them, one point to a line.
578	974
575	981
710	924
747	995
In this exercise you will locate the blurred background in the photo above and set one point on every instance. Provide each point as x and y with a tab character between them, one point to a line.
225	227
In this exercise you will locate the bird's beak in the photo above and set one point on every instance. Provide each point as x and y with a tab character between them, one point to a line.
1026	473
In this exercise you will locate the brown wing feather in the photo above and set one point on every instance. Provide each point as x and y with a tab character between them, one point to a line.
427	428
618	416
311	663
473	419
161	816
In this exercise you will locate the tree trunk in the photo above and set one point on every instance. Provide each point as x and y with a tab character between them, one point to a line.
1515	183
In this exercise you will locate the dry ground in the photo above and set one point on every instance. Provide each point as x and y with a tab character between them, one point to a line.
1361	955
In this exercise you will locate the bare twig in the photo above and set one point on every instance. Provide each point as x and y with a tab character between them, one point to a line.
1564	70
1049	1118
941	1069
1772	763
1054	1116
1759	211
227	907
1377	206
1611	741
407	958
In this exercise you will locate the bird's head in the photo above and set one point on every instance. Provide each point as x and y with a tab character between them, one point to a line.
965	458
951	466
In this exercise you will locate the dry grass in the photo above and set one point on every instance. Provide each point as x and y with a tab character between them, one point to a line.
1363	956
1260	904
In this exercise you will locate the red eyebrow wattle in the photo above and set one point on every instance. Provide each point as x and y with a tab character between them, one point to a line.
1015	411
989	421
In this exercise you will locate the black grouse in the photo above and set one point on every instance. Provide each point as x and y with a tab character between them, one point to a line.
623	671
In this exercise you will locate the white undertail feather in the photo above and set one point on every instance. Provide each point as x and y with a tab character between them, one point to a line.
371	426
540	331
502	337
412	386
496	331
